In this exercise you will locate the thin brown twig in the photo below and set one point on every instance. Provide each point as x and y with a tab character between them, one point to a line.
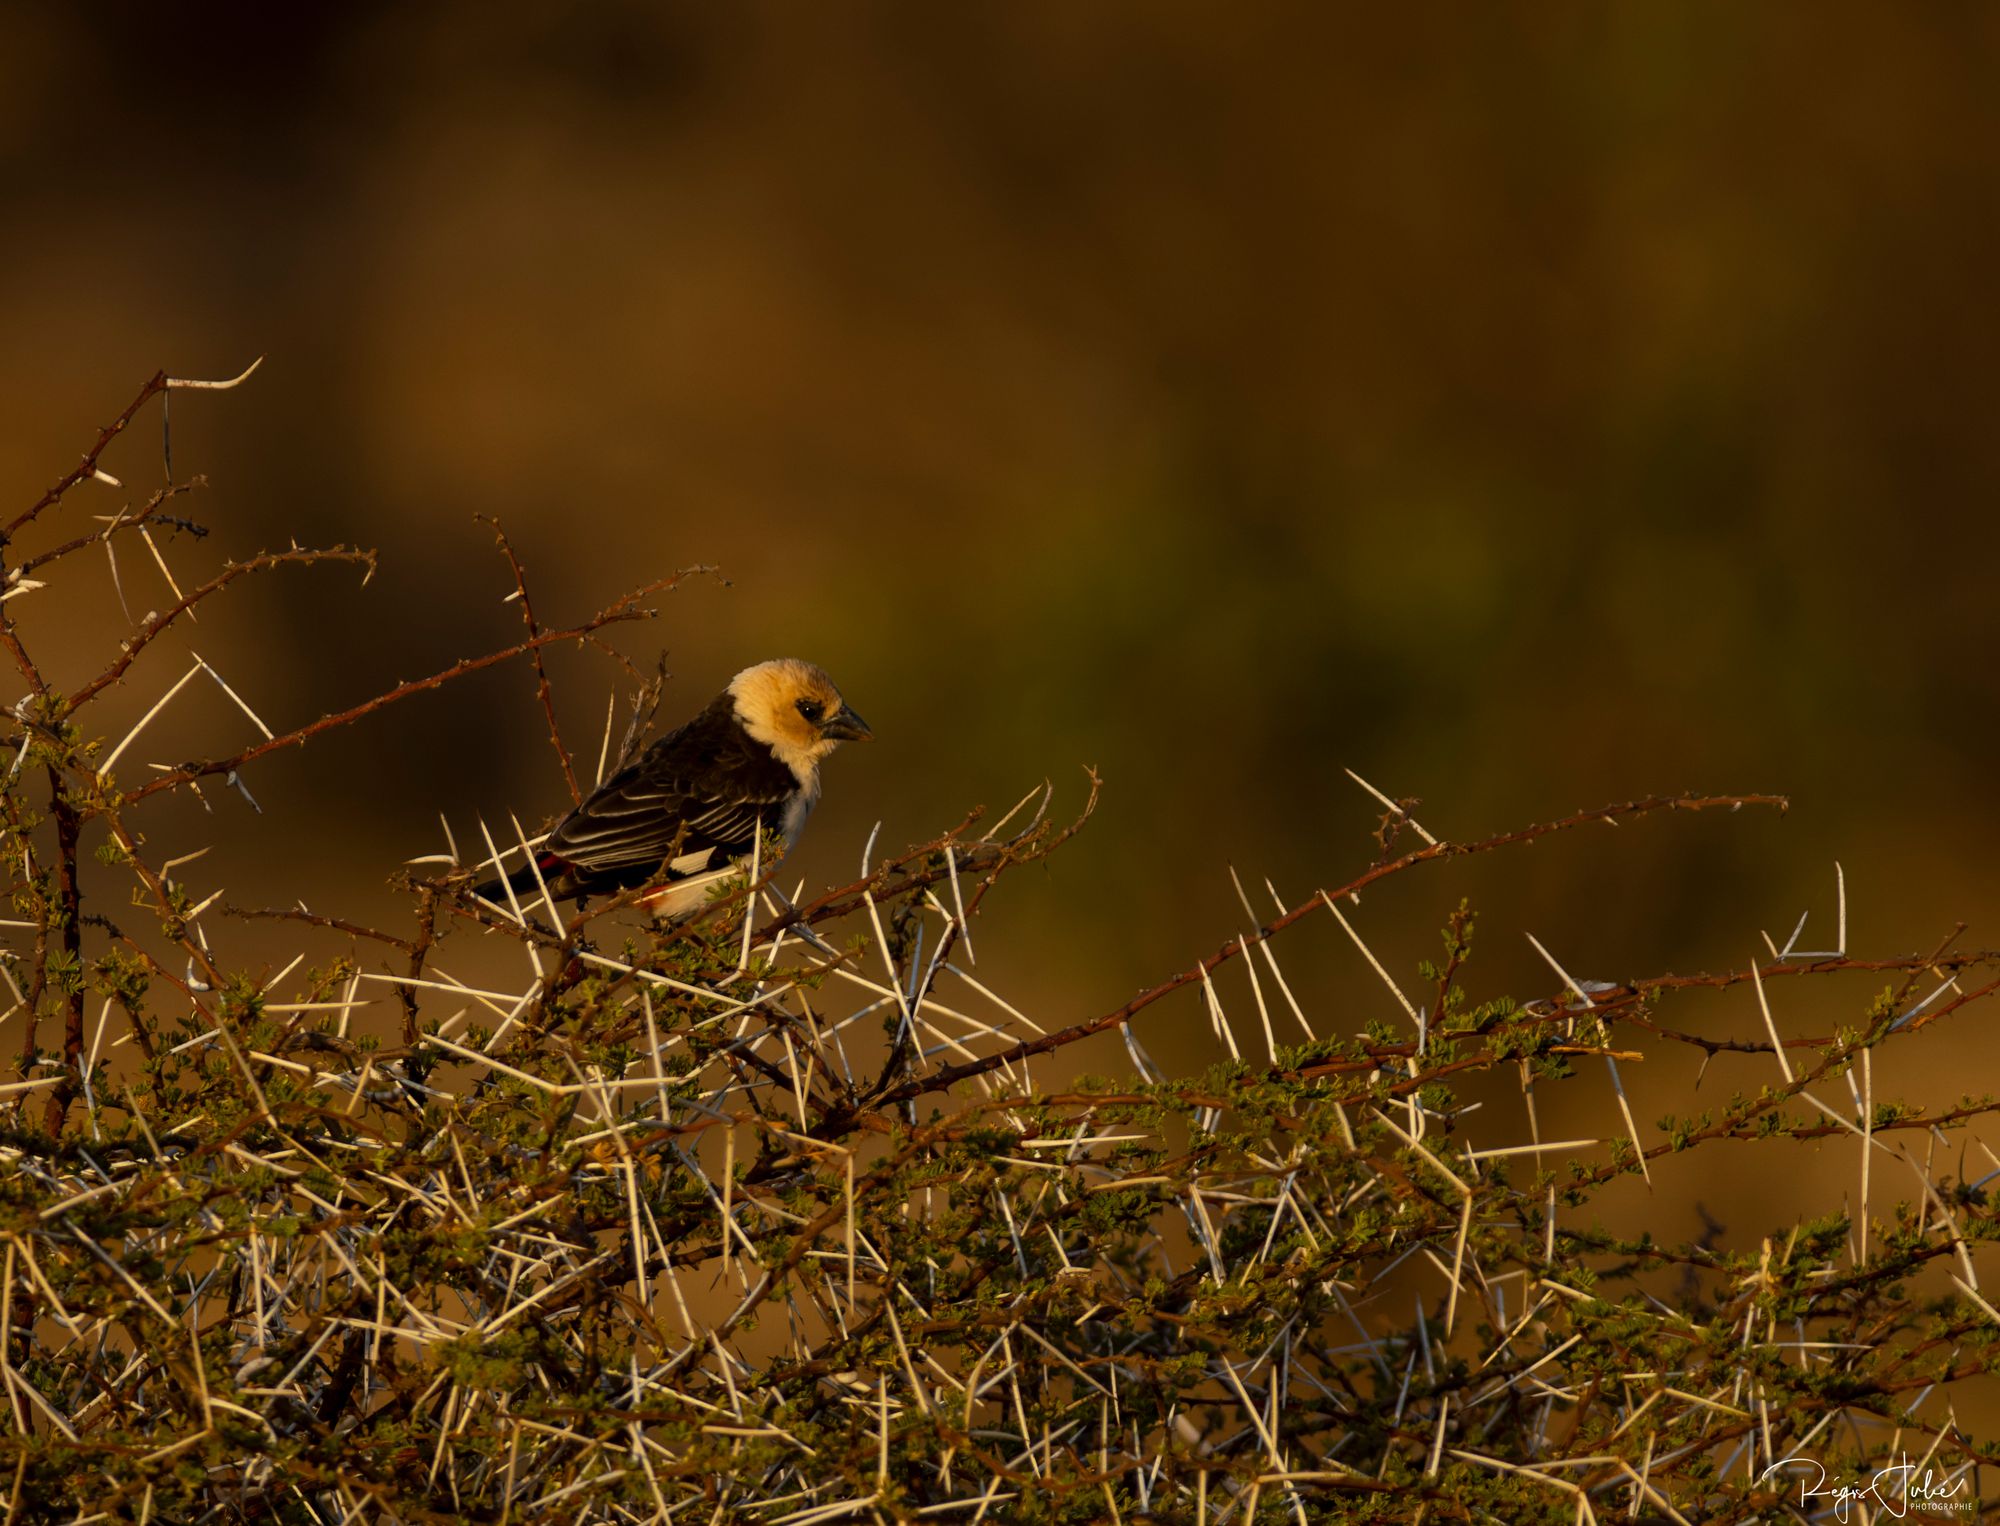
87	467
1778	969
11	639
542	689
152	628
622	610
950	1075
313	919
156	887
149	513
69	920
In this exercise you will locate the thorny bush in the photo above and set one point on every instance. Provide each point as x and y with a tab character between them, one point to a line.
767	1217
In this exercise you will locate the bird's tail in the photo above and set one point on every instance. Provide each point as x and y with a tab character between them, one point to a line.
525	882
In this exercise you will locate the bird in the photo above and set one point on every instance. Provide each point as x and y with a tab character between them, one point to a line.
691	806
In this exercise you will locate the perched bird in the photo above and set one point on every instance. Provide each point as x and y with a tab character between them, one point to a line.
695	800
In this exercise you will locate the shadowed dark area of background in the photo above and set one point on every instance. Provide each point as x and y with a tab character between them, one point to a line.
1527	407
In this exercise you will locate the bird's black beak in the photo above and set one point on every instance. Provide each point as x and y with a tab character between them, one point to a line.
845	726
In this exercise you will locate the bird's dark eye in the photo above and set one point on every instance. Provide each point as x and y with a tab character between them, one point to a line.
812	710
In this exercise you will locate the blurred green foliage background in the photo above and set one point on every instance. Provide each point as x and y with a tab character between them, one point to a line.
1528	406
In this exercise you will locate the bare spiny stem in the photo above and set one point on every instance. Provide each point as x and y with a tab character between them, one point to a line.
542	690
68	925
153	627
624	610
87	467
1198	972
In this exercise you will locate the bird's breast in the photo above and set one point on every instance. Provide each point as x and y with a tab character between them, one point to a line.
797	809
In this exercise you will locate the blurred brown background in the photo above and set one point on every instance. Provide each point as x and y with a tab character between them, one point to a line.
1529	407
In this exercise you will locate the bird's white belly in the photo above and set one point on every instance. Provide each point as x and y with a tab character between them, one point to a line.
690	893
683	898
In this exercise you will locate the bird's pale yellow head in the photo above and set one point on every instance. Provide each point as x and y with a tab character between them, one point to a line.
795	710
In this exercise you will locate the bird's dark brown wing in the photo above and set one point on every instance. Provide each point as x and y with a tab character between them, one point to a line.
705	786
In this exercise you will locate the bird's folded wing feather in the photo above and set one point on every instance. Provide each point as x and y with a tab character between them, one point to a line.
664	804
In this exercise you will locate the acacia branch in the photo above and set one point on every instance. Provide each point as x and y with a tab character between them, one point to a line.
69	921
948	1075
11	639
151	629
542	689
895	878
624	609
87	467
149	513
314	919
